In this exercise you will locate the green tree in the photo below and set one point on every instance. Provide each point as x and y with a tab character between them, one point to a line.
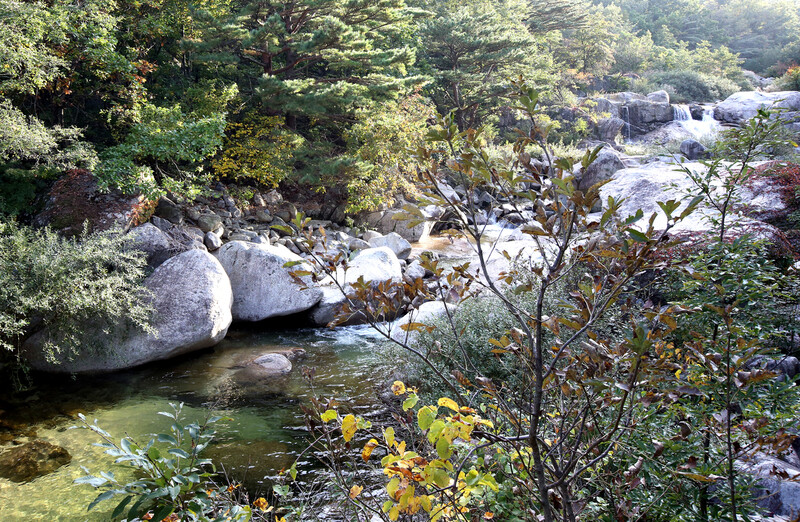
471	48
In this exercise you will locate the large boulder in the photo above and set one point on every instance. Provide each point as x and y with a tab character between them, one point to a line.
155	243
659	97
76	201
609	128
375	265
262	285
191	297
643	187
639	114
34	459
646	115
742	106
603	168
398	245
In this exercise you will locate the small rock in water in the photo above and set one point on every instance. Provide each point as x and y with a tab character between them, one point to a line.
34	459
267	366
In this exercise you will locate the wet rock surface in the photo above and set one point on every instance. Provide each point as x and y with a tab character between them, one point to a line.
34	459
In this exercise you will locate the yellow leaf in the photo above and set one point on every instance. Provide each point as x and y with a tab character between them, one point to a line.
388	434
369	447
398	388
448	403
348	427
356	491
328	416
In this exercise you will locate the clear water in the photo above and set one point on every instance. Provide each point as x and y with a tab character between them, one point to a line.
266	434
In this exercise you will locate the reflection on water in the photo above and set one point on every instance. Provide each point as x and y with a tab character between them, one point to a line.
266	432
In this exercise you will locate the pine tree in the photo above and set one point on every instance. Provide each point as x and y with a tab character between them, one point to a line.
472	48
321	58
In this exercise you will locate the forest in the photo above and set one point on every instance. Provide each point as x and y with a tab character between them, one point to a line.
517	260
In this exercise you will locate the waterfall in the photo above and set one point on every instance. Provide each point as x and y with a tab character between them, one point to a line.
682	113
627	121
708	126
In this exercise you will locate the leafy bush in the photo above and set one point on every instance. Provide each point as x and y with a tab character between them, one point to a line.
689	86
47	281
381	143
176	479
790	81
163	151
256	148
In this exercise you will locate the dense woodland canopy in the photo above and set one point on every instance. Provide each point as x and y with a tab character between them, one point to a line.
161	94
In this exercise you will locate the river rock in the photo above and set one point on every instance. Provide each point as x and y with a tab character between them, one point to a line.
170	211
603	168
398	245
265	366
778	482
212	241
386	221
157	245
328	307
414	271
191	296
34	459
209	222
742	106
693	150
375	265
262	286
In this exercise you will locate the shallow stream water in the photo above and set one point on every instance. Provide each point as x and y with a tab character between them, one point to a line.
266	434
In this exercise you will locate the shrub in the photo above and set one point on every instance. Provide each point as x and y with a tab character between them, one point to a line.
381	143
689	86
256	148
47	281
574	421
176	482
790	81
163	151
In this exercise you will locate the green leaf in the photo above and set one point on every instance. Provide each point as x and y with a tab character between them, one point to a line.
163	512
101	497
121	507
164	437
153	453
179	453
410	402
443	448
426	416
637	236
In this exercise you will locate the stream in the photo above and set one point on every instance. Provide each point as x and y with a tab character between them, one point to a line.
266	434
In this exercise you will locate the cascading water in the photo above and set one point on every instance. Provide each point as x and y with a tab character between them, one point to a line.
682	113
627	119
705	127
